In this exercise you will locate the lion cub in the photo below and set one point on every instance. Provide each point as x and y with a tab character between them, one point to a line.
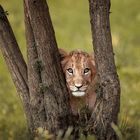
79	70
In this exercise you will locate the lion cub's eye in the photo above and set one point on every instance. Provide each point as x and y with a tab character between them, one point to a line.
70	70
86	70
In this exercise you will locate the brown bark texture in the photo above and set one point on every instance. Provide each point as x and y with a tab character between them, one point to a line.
15	62
48	90
41	84
34	80
108	96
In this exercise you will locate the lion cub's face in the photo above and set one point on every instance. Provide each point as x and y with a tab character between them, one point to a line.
79	70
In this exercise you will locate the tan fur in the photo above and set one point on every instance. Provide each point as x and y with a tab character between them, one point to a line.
82	66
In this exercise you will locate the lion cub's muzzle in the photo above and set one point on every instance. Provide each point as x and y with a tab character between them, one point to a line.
78	90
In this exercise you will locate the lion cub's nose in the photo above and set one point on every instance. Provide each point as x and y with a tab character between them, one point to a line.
78	85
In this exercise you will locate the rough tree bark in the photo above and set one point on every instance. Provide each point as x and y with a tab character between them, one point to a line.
43	91
47	85
108	101
34	80
15	62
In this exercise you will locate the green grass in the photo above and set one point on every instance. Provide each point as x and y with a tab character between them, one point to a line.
72	27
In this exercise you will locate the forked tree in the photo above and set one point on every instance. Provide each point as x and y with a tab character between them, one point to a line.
41	84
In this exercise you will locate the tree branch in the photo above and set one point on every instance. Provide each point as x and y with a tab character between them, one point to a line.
15	62
107	105
53	84
12	54
34	77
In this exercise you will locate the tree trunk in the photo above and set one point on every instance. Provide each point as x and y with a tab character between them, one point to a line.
43	90
15	63
34	78
49	92
108	97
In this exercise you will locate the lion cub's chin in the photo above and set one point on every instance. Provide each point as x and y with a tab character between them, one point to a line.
78	93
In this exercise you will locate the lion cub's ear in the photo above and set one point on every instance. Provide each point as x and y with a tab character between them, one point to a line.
63	54
92	58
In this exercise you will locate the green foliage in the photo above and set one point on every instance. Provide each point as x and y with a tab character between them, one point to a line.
42	88
72	28
2	14
38	66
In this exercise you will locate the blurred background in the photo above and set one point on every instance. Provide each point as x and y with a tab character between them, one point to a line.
72	27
